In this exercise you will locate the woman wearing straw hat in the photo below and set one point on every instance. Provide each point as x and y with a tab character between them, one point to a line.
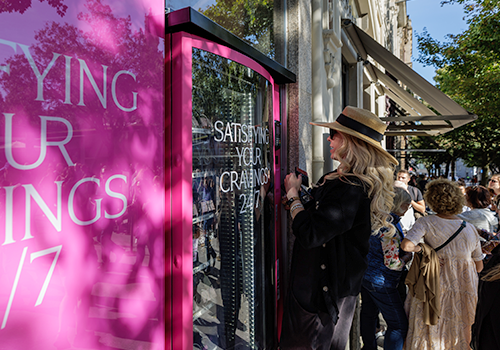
332	236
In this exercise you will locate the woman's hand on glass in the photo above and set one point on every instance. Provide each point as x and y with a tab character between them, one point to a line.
292	185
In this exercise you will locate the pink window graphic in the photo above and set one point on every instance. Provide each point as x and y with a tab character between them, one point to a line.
82	188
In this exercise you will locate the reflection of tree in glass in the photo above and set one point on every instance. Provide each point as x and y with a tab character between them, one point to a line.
109	45
251	20
104	134
217	75
22	5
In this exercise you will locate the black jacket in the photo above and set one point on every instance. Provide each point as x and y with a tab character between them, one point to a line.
486	329
332	241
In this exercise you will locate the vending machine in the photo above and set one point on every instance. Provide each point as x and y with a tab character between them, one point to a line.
224	111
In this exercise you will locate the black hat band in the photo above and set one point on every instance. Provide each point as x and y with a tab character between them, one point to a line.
359	127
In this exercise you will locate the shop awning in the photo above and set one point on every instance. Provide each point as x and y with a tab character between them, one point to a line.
420	120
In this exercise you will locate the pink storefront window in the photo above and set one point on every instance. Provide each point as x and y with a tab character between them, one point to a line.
82	174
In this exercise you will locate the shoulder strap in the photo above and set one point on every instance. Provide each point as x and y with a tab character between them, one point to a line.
452	237
399	229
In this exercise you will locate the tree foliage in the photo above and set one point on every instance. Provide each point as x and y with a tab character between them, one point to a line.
22	5
250	20
108	41
468	71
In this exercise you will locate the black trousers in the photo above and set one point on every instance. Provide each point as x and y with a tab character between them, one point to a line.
303	330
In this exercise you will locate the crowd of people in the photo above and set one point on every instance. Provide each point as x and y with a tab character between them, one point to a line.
422	254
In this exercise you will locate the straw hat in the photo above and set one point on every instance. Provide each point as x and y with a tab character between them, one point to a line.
362	124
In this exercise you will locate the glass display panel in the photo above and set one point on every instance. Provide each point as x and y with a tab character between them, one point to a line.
233	222
82	198
259	23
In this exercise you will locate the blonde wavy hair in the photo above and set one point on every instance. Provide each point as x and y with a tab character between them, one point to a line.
492	274
401	196
375	168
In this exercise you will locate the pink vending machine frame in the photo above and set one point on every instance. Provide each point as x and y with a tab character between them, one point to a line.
168	197
181	210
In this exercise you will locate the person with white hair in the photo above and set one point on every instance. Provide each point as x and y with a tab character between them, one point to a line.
408	219
379	292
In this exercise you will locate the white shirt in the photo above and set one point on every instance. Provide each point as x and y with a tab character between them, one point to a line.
408	219
481	218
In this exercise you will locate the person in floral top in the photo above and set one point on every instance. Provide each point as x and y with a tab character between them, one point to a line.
379	291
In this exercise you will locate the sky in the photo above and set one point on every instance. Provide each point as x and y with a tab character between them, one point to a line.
439	21
196	4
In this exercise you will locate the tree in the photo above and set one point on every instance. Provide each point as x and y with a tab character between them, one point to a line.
22	5
468	71
110	41
251	21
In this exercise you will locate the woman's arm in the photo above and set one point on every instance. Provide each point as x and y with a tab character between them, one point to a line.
340	207
292	188
479	265
408	246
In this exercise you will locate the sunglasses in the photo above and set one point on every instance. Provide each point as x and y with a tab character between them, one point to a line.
332	133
